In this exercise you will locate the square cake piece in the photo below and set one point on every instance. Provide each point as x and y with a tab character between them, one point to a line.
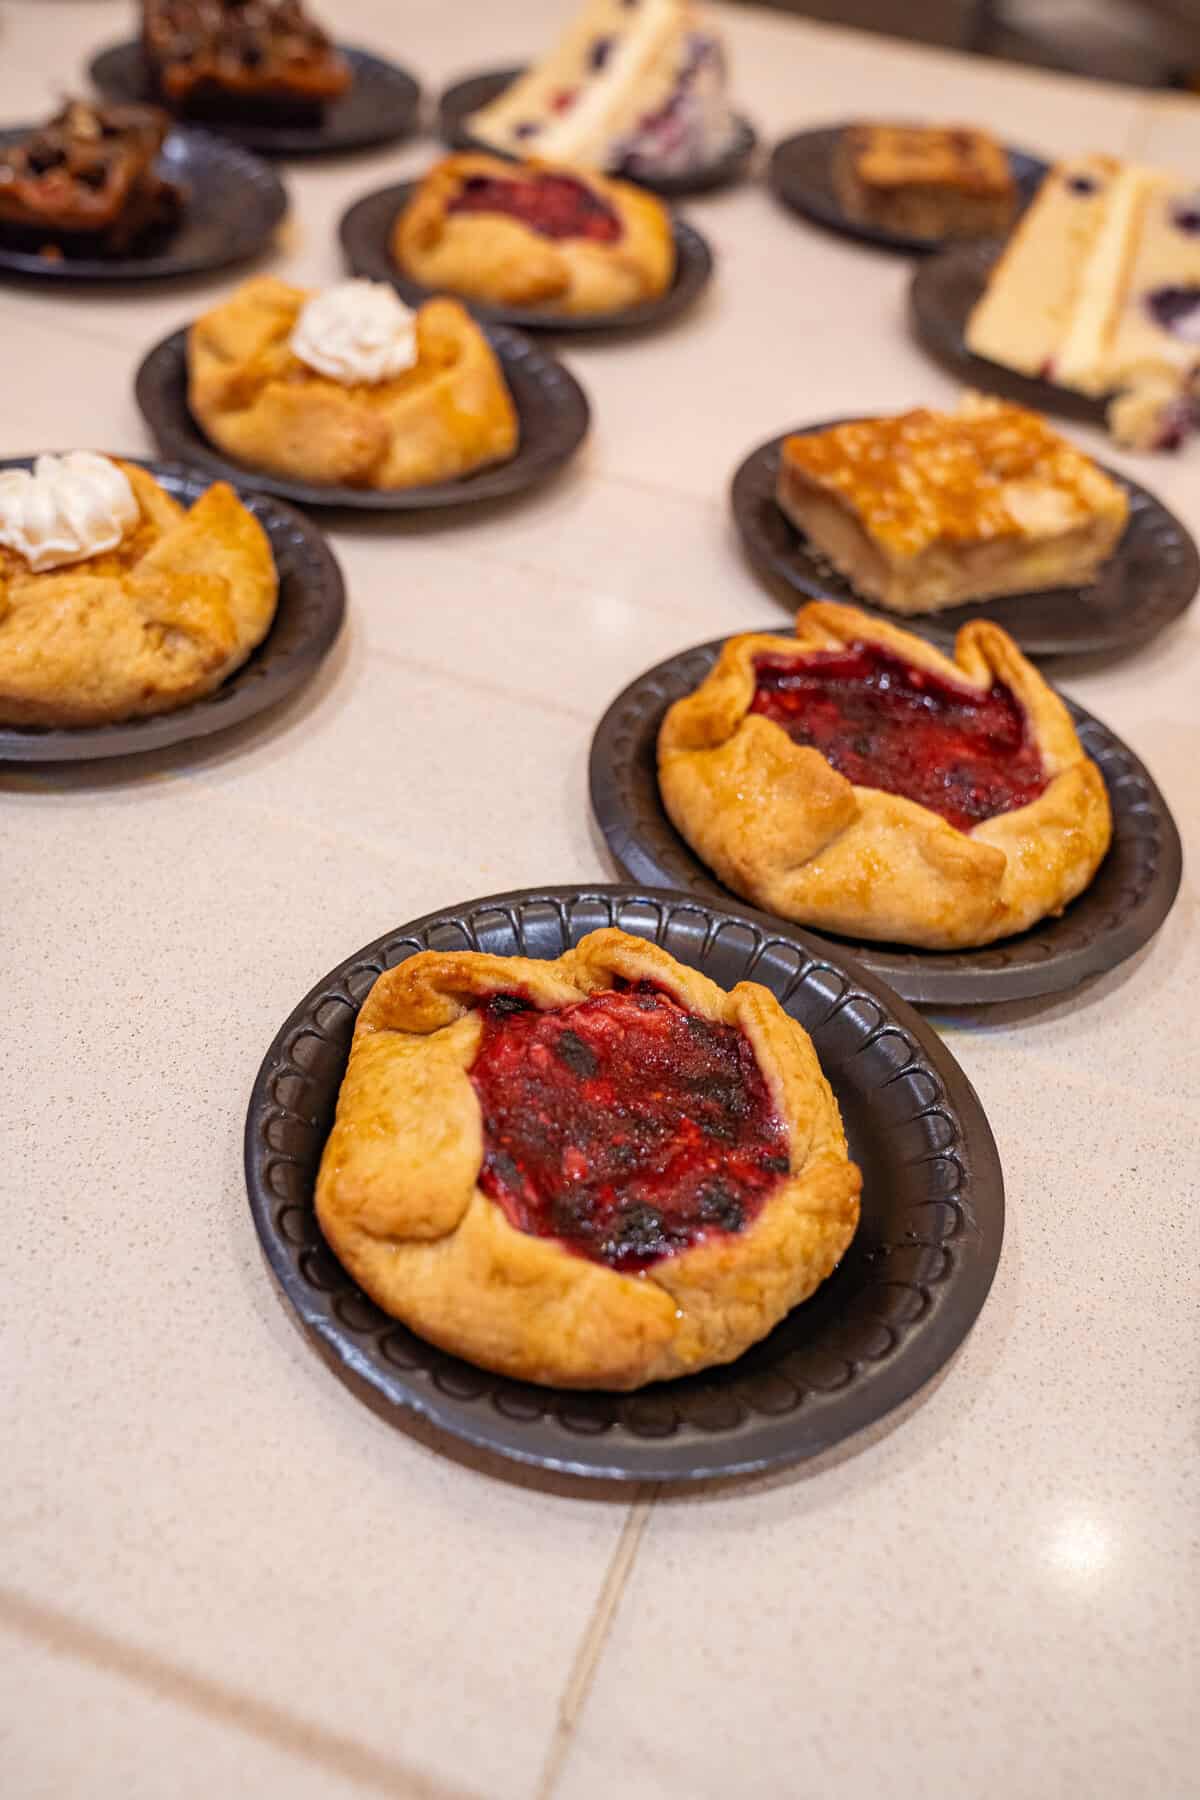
928	510
87	182
242	59
925	181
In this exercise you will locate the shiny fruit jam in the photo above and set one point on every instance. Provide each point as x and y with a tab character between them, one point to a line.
884	724
623	1125
555	206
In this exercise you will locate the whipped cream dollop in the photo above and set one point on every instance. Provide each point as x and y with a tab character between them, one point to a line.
69	508
358	331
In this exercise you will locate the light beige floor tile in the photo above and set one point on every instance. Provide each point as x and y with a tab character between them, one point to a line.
969	1602
72	1729
64	390
201	1485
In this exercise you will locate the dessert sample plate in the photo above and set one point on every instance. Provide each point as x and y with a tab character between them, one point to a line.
551	405
800	174
366	231
382	106
464	97
1122	909
307	620
232	205
1151	579
943	295
904	1296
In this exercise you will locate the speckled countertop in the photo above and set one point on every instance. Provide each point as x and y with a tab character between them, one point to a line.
222	1574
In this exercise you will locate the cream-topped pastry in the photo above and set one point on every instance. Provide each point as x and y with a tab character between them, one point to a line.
357	332
67	509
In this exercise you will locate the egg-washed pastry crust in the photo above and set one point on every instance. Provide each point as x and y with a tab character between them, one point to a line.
495	257
783	828
399	1200
161	620
450	414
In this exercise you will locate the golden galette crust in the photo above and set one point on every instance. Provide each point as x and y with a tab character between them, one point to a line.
398	1197
781	827
489	256
159	621
451	413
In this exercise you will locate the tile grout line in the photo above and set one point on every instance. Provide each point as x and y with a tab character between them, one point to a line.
64	1635
595	1637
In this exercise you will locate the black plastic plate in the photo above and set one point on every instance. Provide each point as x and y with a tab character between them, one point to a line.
800	175
232	207
382	106
904	1296
366	231
464	97
307	620
1147	583
551	405
1130	897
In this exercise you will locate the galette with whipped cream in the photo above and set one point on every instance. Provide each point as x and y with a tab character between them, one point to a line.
348	386
117	602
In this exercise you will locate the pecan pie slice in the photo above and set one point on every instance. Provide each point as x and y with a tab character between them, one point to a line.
88	182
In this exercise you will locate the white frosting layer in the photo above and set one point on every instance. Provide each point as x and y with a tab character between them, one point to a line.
71	507
358	331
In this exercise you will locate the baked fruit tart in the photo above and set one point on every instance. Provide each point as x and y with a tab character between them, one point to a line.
115	601
348	386
242	59
926	510
593	1172
853	778
87	183
535	234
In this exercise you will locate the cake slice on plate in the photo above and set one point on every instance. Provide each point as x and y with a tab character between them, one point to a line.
638	86
1099	291
928	510
1032	294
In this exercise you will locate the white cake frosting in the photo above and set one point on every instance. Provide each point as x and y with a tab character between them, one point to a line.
357	332
68	509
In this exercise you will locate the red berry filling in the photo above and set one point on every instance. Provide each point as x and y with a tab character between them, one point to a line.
623	1125
884	724
555	206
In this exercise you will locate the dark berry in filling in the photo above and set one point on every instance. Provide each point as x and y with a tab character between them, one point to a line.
624	1125
884	724
1185	215
555	206
1082	184
1176	309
